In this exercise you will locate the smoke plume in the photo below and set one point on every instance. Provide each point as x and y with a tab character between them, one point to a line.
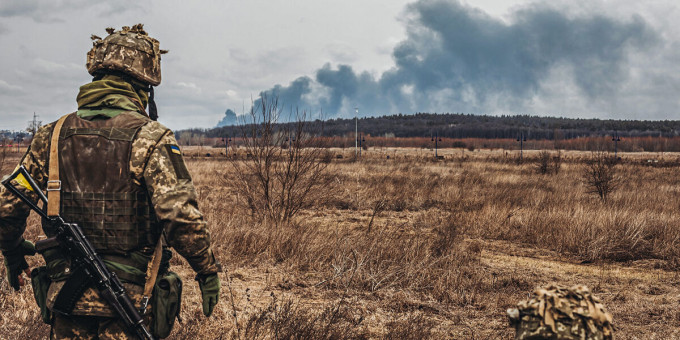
459	59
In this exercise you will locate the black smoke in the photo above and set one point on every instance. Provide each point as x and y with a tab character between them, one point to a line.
229	118
459	59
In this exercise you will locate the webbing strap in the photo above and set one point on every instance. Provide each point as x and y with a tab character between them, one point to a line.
53	183
152	273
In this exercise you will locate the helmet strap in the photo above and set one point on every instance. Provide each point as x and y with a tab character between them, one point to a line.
153	111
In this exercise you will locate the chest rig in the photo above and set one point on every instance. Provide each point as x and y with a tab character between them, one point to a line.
97	188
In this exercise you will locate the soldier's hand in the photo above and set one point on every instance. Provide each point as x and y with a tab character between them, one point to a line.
15	263
210	291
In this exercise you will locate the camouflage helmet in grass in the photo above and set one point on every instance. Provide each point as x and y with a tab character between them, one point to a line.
130	51
561	313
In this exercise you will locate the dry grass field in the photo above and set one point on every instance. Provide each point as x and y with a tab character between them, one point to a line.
410	248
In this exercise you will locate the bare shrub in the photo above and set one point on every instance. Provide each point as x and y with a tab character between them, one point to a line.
600	175
557	162
548	163
286	171
543	162
447	236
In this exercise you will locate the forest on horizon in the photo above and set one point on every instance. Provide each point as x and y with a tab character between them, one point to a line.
461	126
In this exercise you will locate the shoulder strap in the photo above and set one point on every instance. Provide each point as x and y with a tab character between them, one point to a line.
53	183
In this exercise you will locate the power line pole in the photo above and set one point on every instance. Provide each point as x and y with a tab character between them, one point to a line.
436	139
226	141
521	139
616	139
34	125
356	132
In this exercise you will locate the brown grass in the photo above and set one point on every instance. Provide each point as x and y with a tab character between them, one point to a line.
410	248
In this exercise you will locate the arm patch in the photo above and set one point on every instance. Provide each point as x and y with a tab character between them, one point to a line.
177	162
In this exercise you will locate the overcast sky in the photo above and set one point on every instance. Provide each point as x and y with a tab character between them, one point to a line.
604	59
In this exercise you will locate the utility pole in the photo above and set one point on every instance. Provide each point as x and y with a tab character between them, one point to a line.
361	139
34	125
226	141
290	139
616	139
356	132
436	139
521	139
18	140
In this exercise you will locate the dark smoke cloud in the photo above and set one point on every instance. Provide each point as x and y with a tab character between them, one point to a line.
457	58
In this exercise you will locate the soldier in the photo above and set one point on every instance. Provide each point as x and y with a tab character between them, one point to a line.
121	177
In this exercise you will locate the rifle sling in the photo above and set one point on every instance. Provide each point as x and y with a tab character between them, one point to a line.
53	183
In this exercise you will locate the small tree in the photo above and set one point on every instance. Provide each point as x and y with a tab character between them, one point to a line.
286	171
600	174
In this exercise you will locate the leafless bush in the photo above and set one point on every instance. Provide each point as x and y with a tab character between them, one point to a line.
600	174
547	163
557	162
543	162
448	236
287	168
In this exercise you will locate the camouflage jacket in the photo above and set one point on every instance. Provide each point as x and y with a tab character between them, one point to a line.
173	198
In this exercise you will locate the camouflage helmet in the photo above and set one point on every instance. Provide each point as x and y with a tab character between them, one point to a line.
130	51
561	313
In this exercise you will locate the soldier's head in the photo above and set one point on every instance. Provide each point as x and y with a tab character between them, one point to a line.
131	54
561	313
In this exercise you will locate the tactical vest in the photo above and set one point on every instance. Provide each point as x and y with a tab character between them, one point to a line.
98	191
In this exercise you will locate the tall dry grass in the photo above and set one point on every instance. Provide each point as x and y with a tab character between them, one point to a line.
441	205
396	252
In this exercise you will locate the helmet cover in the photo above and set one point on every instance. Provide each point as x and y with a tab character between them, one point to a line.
556	312
130	51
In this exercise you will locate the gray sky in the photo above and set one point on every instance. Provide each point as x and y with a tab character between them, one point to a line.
605	59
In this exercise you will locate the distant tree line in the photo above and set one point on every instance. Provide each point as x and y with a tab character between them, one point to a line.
461	126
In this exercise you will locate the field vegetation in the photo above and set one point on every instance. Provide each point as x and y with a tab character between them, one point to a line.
396	245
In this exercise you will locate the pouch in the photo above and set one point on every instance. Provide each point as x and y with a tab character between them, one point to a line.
40	280
165	304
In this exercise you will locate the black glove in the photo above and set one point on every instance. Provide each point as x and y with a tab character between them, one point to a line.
210	291
15	263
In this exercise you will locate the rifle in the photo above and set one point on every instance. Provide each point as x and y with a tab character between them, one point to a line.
70	238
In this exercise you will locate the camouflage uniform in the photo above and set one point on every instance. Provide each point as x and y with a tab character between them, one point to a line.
561	314
156	167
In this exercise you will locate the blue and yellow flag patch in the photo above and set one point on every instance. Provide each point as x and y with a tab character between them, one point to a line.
175	149
175	157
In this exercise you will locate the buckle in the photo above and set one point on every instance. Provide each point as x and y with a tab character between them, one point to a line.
144	303
51	187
